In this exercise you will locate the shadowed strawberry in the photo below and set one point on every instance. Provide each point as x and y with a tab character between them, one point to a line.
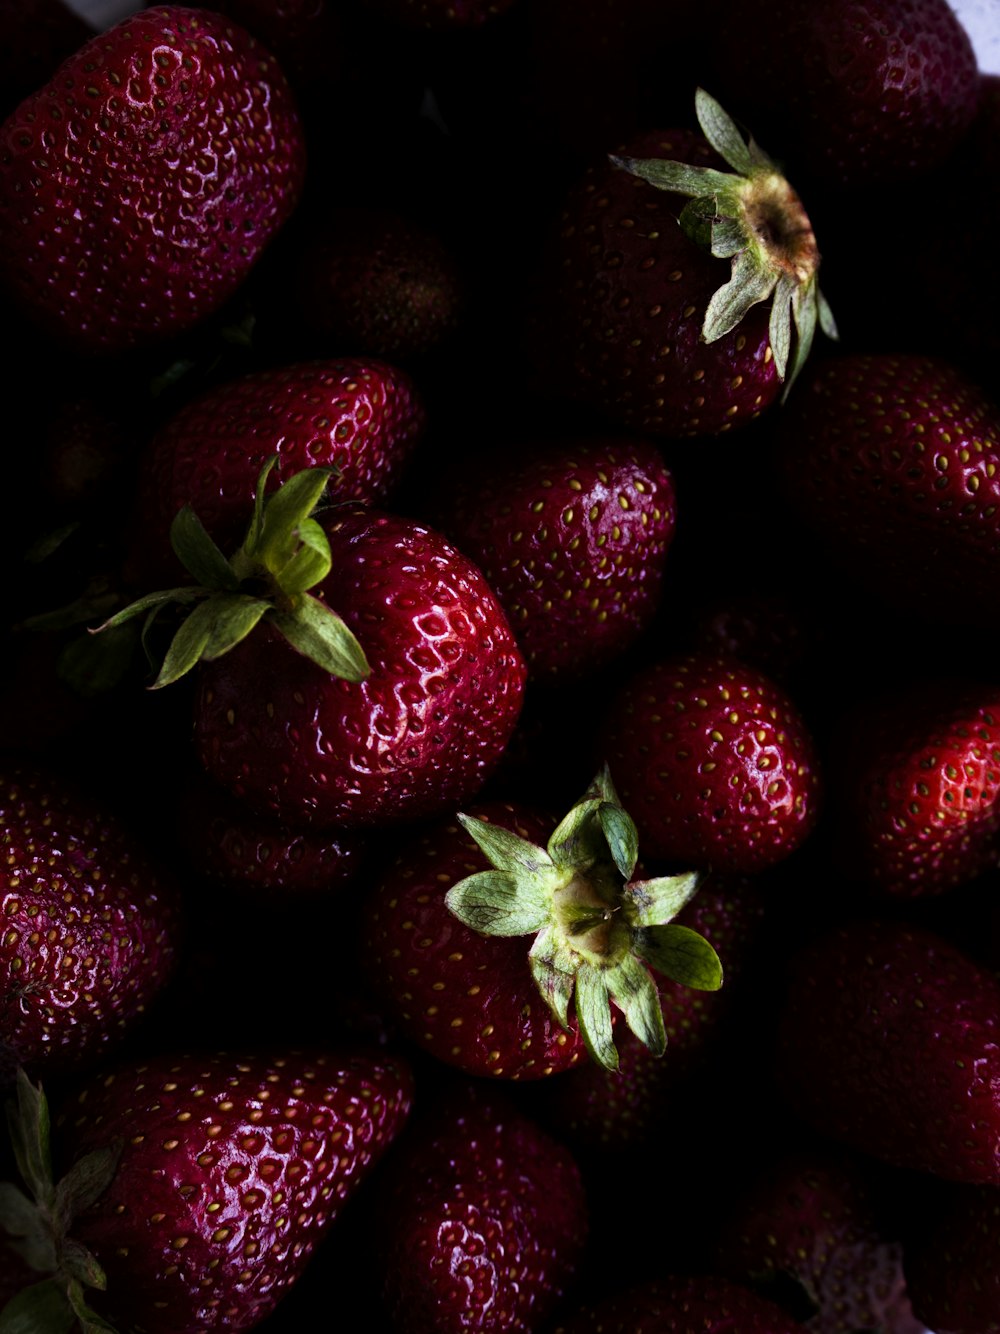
637	316
438	15
91	927
715	762
702	1304
35	38
483	1220
887	1041
573	537
199	1185
951	1262
161	237
359	417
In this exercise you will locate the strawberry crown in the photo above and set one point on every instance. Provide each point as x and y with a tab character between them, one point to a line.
284	554
752	216
597	931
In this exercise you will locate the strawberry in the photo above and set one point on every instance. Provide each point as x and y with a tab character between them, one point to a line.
468	993
808	1232
700	1304
359	416
854	93
715	761
894	462
35	39
438	15
91	927
573	537
917	788
637	317
201	1184
140	185
888	1042
951	1262
485	1220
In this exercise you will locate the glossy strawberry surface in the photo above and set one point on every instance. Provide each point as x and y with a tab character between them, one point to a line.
421	734
231	1171
623	298
358	416
888	1042
140	185
91	926
469	1000
714	763
573	536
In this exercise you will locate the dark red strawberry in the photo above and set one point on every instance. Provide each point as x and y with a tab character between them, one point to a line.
809	1233
641	317
484	1220
225	1172
951	1262
35	38
573	537
358	416
172	143
703	1304
858	92
90	925
438	15
894	462
916	784
888	1043
714	761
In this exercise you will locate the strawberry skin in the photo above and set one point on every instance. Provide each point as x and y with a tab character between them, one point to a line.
140	185
701	1304
90	930
419	735
231	1171
951	1262
359	416
467	999
573	536
888	1042
714	763
893	461
485	1220
624	294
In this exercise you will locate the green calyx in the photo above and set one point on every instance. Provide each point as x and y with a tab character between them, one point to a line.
37	1221
284	554
596	929
754	218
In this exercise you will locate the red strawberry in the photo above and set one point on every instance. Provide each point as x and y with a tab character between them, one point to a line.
35	38
808	1232
636	317
90	930
894	461
573	538
703	1304
361	417
918	789
229	1171
857	92
888	1041
715	762
140	185
485	1220
438	15
471	996
951	1262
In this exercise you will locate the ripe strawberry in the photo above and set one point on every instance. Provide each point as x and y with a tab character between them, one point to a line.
893	462
218	1175
359	416
854	93
485	1220
636	316
438	15
35	39
808	1232
918	790
702	1304
467	991
888	1043
573	537
715	762
951	1262
91	929
140	185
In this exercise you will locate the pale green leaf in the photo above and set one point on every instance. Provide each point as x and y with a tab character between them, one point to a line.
506	850
780	324
682	955
553	967
721	132
198	553
498	903
680	178
323	637
235	615
622	839
658	901
285	510
634	992
593	1014
259	501
751	282
310	563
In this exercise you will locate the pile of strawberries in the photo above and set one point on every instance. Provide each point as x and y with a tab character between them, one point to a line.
499	710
